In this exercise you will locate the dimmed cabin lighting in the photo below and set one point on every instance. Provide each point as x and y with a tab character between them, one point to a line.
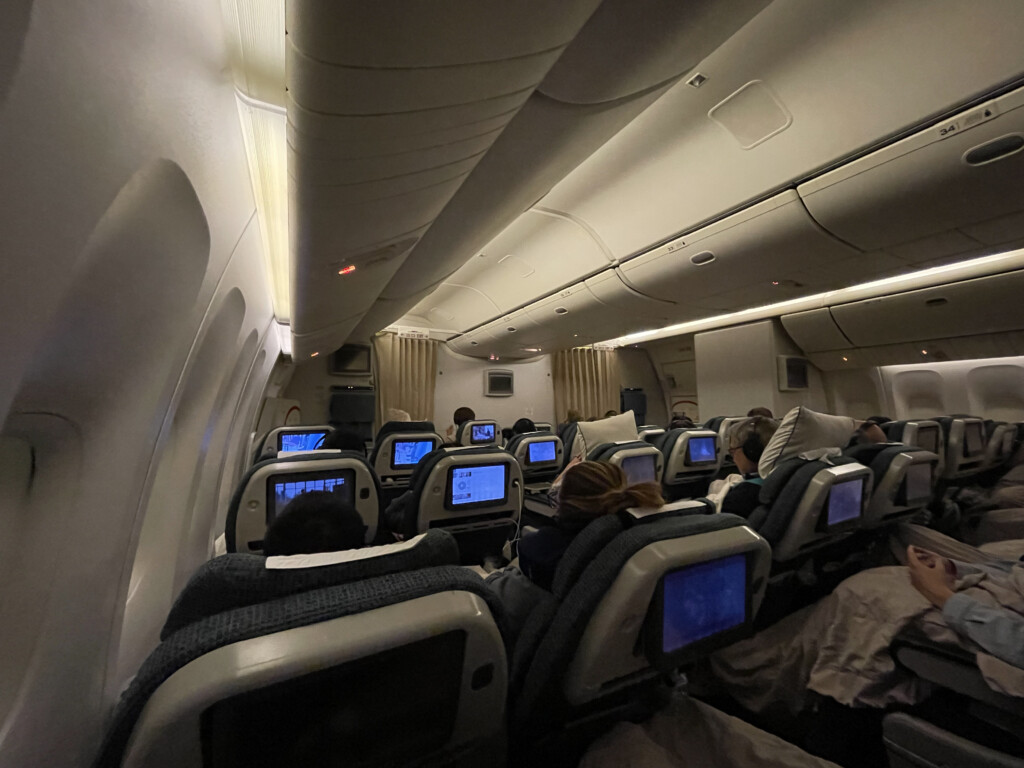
347	270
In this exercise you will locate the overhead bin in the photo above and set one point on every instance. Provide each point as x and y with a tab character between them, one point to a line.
623	59
769	252
392	105
815	330
959	182
538	253
979	306
1009	344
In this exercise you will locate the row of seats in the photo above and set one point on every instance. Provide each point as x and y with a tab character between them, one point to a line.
395	655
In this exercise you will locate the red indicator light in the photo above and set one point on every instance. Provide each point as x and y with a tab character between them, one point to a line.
347	270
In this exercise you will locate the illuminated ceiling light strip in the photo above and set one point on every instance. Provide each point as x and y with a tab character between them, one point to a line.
256	48
912	280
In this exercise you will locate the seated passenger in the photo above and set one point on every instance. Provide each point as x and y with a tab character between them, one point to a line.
344	440
839	647
681	422
868	432
523	426
572	417
586	491
507	433
396	414
609	414
316	521
761	411
738	494
462	414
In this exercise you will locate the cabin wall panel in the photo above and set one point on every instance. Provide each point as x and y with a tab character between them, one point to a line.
126	190
460	381
991	388
311	384
638	370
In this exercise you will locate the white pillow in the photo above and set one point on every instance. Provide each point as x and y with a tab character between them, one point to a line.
614	429
804	430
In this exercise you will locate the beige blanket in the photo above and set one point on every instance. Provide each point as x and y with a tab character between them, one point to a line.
691	734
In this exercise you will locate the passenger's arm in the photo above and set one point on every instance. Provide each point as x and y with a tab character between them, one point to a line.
998	630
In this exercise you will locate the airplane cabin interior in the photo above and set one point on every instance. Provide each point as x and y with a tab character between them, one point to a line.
660	364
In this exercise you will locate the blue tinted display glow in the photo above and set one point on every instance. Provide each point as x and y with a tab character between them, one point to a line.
640	469
844	501
538	452
703	600
407	453
473	485
701	450
300	441
483	433
285	492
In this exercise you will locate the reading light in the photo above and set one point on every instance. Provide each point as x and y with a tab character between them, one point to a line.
531	349
347	270
775	282
924	351
846	359
314	354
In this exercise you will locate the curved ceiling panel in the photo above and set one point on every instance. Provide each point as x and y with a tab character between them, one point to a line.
676	37
391	105
557	130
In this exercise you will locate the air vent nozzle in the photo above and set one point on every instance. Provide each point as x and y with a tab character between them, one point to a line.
702	258
561	311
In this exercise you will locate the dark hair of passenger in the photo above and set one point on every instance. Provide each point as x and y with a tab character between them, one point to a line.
609	414
317	521
522	426
343	440
573	415
507	433
879	420
593	418
684	422
592	489
463	414
761	411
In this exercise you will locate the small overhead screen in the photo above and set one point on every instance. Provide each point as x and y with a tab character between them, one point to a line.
700	451
541	452
288	442
640	469
482	433
350	359
481	485
697	608
916	489
498	384
282	488
407	453
974	441
844	504
928	438
792	373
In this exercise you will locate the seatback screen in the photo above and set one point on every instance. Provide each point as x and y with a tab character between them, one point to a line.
640	469
481	433
844	501
284	487
917	484
928	438
298	441
974	444
703	600
700	450
478	485
538	453
407	453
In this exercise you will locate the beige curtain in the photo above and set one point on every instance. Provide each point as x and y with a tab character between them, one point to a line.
405	371
586	380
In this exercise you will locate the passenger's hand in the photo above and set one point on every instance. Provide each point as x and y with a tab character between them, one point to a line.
932	575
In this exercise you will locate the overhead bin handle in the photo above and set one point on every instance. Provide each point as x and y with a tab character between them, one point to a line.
993	150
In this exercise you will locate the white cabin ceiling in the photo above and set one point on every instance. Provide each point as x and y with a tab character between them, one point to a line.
851	76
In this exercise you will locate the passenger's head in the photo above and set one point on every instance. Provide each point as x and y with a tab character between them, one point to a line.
507	433
522	426
879	420
748	439
591	489
573	416
761	411
343	440
593	418
609	414
462	415
397	414
681	422
867	433
312	522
